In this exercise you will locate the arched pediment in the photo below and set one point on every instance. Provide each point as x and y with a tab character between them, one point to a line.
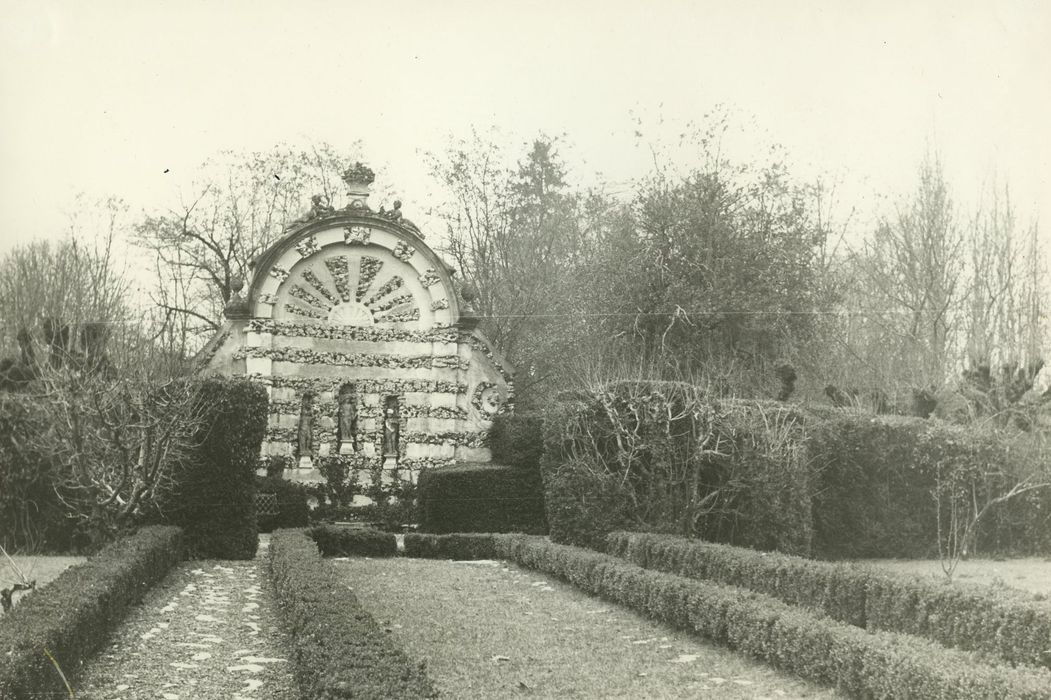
356	269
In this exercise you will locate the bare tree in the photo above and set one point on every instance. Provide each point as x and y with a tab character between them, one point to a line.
240	204
911	276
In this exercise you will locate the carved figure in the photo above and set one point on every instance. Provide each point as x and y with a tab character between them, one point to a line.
390	427
348	418
396	216
305	442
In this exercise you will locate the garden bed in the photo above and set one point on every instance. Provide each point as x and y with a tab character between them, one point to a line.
491	629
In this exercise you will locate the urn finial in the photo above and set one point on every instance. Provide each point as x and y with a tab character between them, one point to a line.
358	178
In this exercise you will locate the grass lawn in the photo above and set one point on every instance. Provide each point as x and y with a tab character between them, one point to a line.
496	630
1032	574
39	568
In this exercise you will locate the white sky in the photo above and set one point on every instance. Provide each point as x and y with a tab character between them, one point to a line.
103	96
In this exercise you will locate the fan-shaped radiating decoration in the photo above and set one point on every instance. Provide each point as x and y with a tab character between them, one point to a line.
348	290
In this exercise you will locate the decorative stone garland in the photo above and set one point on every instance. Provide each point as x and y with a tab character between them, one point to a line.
279	273
439	304
356	234
307	356
300	311
403	251
365	386
337	267
307	247
459	439
419	463
429	278
322	289
389	286
302	294
298	329
369	268
330	408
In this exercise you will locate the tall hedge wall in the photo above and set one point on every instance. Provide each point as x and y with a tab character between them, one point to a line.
661	456
875	477
833	483
214	499
481	498
31	515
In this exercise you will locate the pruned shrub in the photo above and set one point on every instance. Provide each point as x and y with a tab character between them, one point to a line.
214	497
334	540
31	515
291	506
517	440
662	456
70	618
1011	625
481	498
456	546
888	486
338	650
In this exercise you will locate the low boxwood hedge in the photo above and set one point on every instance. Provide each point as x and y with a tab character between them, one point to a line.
338	541
1011	625
481	498
72	616
858	662
338	649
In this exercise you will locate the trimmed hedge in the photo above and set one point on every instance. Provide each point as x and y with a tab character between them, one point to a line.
857	662
1012	626
457	546
517	440
661	456
72	616
214	499
338	650
31	515
334	541
292	509
481	498
874	477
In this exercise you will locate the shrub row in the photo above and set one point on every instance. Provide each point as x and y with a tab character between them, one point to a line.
481	498
1012	626
214	498
457	546
664	457
337	541
71	617
338	650
857	662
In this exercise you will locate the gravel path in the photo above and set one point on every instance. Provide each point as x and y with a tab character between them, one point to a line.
209	630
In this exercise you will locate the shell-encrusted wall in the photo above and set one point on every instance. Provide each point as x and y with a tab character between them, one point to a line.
354	325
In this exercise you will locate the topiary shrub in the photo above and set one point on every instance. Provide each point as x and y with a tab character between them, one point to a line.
481	498
457	546
661	456
214	497
292	509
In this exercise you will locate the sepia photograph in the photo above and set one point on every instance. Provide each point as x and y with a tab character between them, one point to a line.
580	349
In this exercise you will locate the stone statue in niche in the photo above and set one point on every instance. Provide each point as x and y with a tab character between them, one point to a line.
347	422
305	435
390	427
